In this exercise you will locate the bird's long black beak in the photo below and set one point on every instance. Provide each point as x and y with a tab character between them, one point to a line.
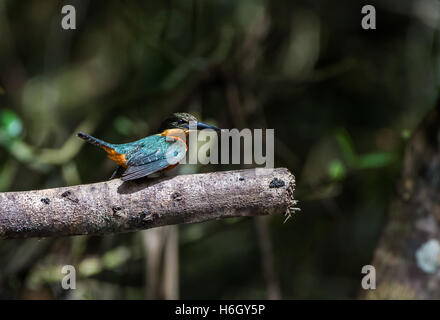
201	126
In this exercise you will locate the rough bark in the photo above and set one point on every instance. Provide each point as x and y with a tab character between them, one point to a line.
414	221
116	206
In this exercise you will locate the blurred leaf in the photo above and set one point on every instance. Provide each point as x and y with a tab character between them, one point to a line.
193	233
10	125
123	125
346	145
374	160
7	174
44	274
21	151
115	257
336	170
71	174
406	134
90	266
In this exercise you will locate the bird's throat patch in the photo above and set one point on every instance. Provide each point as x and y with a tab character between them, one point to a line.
175	134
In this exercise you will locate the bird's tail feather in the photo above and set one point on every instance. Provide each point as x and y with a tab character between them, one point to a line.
94	141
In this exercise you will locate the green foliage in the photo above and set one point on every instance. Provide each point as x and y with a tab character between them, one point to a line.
336	170
374	160
123	125
354	161
11	126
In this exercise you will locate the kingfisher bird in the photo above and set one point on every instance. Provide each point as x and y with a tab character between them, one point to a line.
156	153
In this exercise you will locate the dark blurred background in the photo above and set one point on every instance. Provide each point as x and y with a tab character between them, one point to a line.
343	102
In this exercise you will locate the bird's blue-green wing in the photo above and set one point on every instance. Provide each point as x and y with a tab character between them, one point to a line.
153	157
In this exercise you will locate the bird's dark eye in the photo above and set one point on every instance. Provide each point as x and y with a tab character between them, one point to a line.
181	121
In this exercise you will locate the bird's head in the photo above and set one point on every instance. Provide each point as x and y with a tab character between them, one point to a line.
185	122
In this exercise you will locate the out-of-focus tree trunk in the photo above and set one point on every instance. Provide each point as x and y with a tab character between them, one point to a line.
162	262
407	260
267	259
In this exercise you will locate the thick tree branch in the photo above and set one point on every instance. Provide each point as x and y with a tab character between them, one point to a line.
407	259
116	206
